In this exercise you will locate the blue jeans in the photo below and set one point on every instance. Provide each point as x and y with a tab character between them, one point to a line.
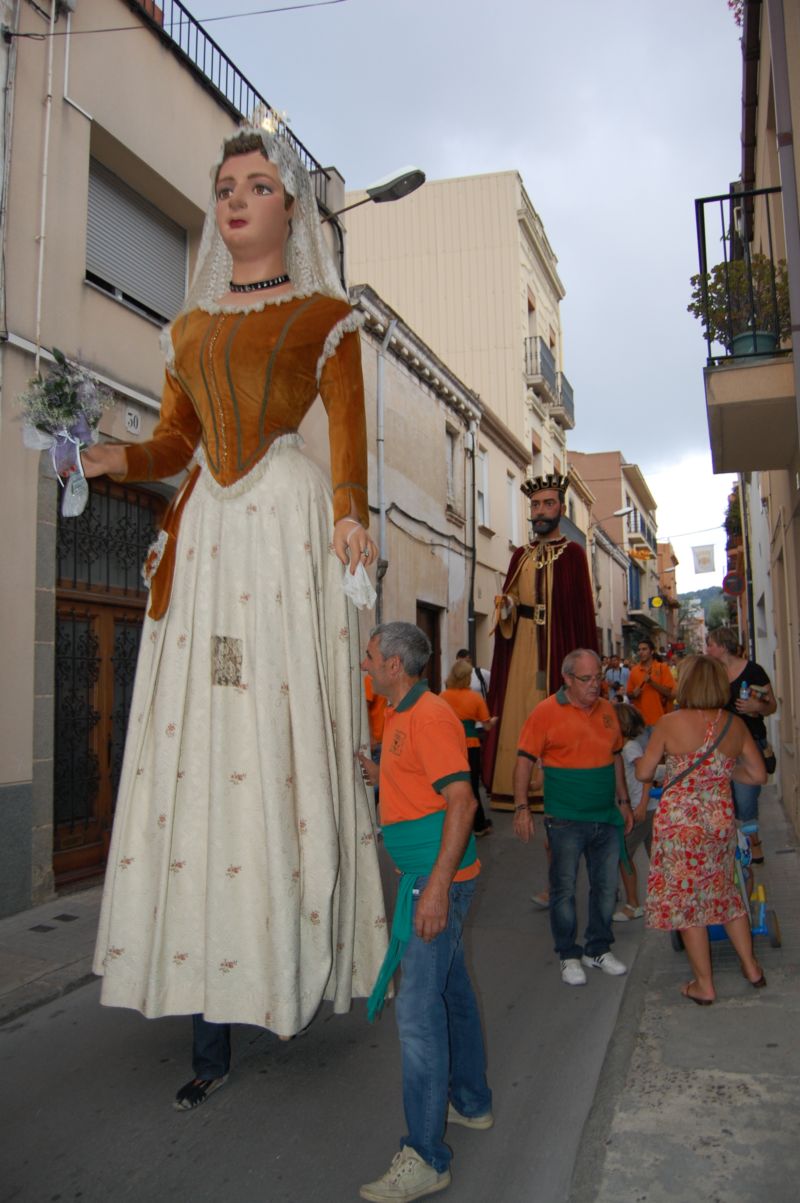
599	844
211	1048
745	802
440	1033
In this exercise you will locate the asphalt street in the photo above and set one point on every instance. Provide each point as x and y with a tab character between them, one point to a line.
89	1089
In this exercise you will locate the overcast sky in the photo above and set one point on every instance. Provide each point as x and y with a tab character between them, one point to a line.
616	115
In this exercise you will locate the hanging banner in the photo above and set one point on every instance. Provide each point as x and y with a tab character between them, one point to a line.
640	553
703	558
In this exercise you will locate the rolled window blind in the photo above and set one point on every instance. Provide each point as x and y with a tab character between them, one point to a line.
132	246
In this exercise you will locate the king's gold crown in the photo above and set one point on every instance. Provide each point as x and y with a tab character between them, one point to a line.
548	480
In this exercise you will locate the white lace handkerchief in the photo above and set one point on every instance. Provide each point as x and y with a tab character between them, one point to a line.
359	588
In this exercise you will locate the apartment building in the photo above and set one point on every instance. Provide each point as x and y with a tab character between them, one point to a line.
668	591
468	264
749	308
625	513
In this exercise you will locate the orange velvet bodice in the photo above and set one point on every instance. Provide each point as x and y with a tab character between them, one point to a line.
241	379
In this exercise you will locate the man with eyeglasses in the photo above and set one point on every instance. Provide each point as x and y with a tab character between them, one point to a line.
576	736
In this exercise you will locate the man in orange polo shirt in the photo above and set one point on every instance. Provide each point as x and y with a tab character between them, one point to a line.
576	735
427	807
651	686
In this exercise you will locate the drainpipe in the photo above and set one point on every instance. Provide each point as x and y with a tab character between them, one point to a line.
48	113
383	563
471	633
748	565
786	152
10	93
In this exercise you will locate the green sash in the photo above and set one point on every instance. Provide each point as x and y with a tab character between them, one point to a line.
413	846
585	796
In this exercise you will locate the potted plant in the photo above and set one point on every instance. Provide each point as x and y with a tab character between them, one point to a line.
743	305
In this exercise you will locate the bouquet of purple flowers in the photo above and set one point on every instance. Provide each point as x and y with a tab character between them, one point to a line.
61	413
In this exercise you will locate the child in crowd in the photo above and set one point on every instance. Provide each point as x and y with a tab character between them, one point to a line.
632	725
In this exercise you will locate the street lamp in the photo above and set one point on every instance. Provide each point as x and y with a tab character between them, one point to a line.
391	188
622	513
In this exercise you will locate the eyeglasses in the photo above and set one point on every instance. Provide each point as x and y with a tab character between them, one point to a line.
584	680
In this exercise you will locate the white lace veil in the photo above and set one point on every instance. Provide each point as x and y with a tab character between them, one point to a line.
308	258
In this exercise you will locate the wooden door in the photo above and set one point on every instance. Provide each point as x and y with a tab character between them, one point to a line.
100	607
428	621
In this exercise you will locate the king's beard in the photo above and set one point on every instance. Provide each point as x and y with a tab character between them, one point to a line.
542	527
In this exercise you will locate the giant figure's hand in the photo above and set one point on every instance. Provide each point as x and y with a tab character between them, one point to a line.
370	771
353	545
103	458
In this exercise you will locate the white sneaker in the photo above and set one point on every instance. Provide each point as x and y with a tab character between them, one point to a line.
627	912
407	1178
607	962
571	972
469	1121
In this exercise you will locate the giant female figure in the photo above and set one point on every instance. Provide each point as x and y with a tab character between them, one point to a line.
242	883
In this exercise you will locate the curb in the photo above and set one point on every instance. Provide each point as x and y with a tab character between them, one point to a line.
588	1170
37	994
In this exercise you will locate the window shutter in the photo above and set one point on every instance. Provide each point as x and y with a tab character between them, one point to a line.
132	246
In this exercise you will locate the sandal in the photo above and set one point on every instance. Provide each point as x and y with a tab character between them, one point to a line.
756	851
686	992
196	1092
759	983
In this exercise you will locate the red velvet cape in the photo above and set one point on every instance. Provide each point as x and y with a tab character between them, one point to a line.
573	625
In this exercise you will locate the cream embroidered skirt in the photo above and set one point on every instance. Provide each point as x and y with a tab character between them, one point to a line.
243	879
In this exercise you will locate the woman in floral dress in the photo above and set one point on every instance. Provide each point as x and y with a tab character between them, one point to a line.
691	882
242	882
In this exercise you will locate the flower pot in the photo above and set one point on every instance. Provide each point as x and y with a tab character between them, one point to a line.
754	342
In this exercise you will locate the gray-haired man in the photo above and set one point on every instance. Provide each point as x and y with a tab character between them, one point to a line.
576	735
427	809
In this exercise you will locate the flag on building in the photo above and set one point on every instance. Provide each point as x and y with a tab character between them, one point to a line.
703	558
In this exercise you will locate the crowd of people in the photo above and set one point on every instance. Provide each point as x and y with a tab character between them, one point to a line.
243	881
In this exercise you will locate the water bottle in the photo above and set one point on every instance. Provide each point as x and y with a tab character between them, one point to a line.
744	691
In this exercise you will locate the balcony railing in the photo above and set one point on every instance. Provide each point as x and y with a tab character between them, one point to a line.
639	531
566	400
742	296
219	75
540	362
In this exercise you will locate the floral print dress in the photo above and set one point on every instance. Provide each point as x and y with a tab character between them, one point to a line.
691	880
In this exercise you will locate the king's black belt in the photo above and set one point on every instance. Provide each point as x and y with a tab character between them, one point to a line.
536	613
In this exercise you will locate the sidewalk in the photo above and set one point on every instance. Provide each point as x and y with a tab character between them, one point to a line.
47	951
702	1102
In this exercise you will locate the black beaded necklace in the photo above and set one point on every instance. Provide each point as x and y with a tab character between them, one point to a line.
259	285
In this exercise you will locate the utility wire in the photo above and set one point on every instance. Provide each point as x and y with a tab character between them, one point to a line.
258	12
685	534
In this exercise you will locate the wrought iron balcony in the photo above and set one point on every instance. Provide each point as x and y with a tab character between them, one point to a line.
549	385
219	75
540	368
742	300
639	532
564	407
